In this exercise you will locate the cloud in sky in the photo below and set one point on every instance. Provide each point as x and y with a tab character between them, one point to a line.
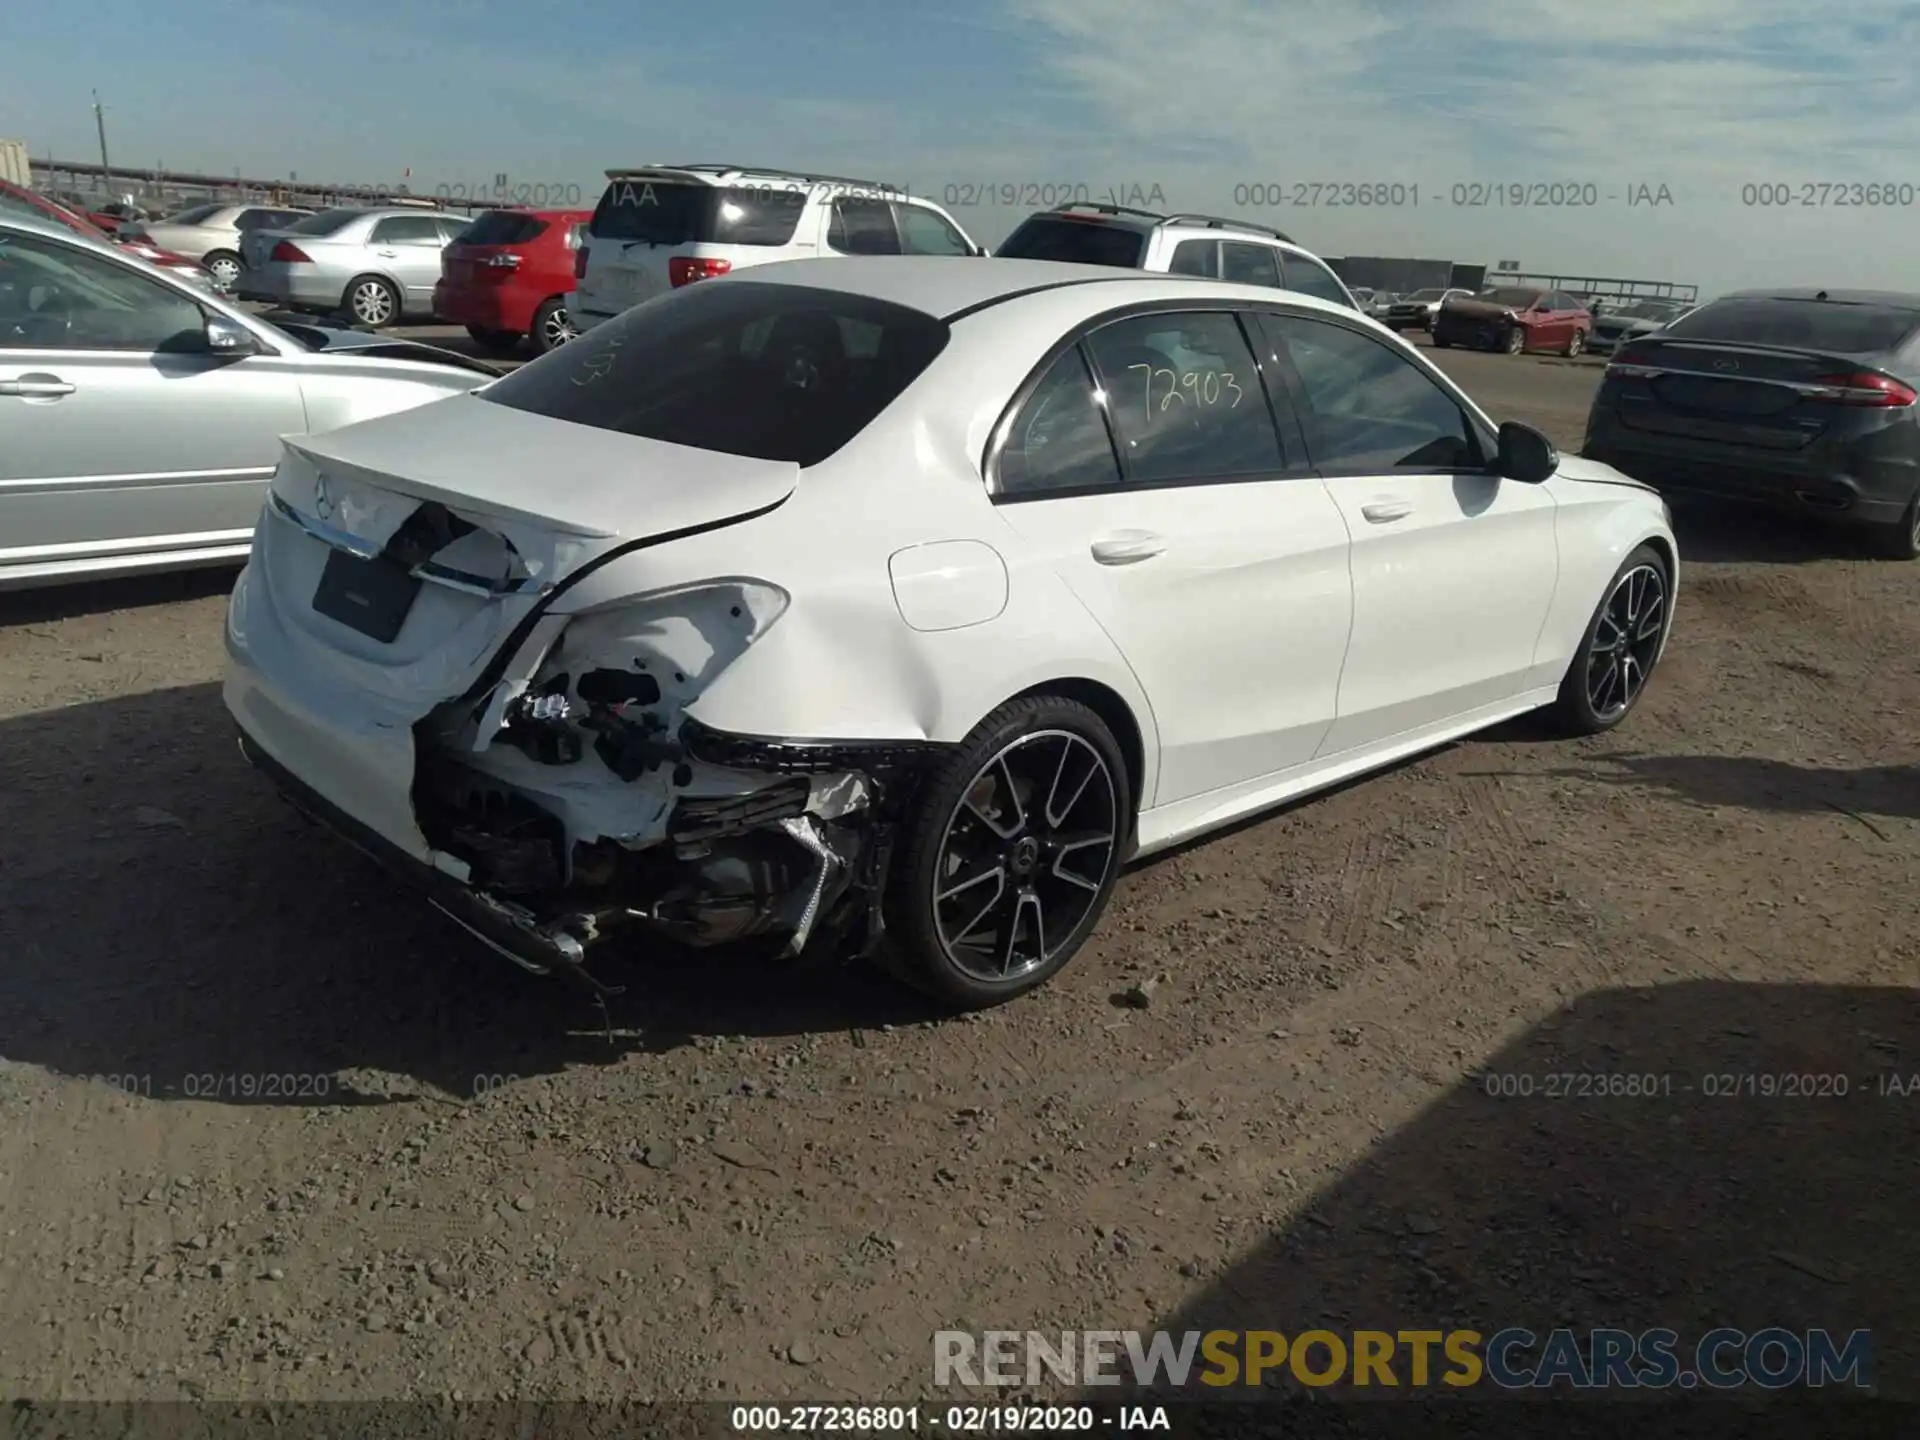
1702	97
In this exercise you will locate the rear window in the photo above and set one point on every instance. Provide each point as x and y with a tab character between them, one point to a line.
1846	329
503	227
667	212
327	222
743	367
1080	242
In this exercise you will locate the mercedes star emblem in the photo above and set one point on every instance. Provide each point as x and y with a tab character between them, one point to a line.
322	499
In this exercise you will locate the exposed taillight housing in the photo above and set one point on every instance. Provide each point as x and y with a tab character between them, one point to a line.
503	261
580	263
288	253
1865	389
685	269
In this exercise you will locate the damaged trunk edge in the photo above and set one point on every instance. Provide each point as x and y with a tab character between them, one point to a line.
583	800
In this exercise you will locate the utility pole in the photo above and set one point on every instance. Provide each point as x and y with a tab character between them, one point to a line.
100	124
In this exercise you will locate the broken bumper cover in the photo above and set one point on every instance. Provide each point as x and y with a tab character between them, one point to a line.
508	929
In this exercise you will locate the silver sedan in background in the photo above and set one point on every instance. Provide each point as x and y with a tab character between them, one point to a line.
377	264
140	416
211	234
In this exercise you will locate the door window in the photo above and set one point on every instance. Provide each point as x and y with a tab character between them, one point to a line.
1310	277
863	227
924	233
1185	396
1196	257
1368	409
58	297
1059	443
407	230
1247	264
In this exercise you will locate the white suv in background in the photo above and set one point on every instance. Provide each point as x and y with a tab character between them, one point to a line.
1186	244
663	226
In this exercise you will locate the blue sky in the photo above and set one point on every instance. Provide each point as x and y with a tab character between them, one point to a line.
1202	101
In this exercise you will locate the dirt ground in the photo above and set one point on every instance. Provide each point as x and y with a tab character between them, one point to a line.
365	1160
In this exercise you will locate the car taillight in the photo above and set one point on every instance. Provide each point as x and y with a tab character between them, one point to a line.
1631	362
684	269
503	261
288	253
1866	389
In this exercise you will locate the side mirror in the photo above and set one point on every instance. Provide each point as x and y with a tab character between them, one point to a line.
1525	455
225	337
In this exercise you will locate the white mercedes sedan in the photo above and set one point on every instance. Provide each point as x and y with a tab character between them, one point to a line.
892	605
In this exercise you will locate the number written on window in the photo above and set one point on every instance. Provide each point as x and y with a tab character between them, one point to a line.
1190	387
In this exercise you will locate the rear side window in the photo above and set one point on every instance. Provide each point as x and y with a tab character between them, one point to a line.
669	212
773	372
1311	278
1059	444
1246	264
327	222
1186	398
1196	257
863	227
407	230
503	227
1847	329
922	232
1080	242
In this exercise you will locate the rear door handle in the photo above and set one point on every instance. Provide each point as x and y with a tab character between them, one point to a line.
386	254
1129	548
36	387
1387	511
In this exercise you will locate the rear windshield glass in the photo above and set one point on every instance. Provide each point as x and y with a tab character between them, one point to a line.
327	222
1516	299
1078	241
502	227
666	212
1802	324
774	372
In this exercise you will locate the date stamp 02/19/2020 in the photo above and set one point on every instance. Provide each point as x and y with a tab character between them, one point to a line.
1823	1085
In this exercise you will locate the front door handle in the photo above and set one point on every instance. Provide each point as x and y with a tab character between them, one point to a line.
36	387
1387	511
386	254
1129	548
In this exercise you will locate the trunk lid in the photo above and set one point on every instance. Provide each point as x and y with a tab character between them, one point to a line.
1741	394
398	554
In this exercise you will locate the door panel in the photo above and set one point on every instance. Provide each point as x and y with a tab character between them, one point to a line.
1453	569
146	451
1219	572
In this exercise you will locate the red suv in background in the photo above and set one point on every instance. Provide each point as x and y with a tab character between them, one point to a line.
507	276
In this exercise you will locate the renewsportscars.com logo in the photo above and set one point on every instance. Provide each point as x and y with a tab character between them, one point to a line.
1512	1359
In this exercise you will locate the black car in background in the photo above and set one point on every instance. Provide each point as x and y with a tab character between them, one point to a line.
1801	399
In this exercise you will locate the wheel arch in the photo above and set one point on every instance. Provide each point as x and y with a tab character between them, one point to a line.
1116	714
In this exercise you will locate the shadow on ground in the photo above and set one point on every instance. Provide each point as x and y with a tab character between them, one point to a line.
164	914
132	592
1725	1197
1753	783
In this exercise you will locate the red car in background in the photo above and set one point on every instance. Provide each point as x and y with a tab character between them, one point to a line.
28	202
507	277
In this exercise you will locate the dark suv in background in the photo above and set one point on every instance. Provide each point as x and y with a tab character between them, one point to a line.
1800	399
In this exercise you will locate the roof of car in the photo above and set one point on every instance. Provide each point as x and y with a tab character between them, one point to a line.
1901	300
949	285
1127	217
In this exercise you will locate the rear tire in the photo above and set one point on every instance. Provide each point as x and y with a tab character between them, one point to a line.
1515	341
552	327
1012	846
1576	342
1901	539
1622	644
501	342
371	301
224	266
